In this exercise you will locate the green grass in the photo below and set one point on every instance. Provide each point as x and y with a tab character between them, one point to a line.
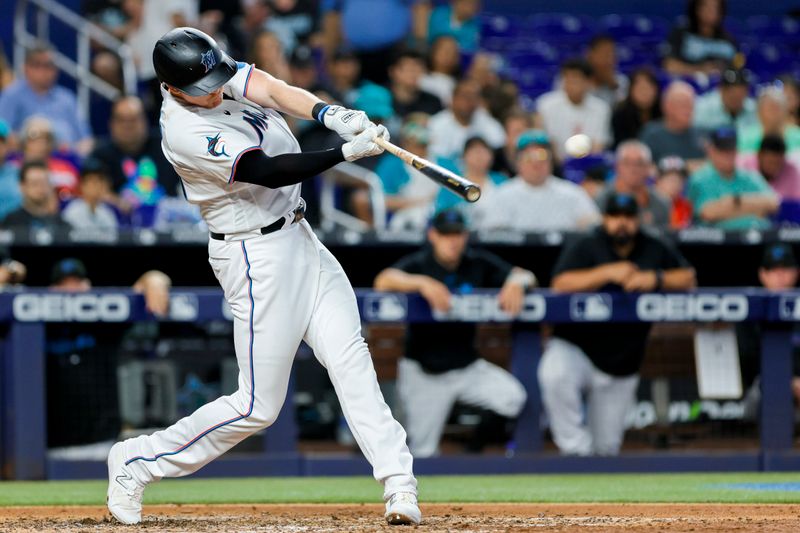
521	488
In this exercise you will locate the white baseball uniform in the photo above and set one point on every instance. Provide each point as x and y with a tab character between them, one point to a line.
282	287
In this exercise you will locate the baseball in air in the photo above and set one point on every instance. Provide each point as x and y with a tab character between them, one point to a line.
578	145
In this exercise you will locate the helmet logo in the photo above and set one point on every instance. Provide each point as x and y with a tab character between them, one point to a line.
208	60
216	146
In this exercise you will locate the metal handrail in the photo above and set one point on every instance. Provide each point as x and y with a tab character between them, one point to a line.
80	69
331	215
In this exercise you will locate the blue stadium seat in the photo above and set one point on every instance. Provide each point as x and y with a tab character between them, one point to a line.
562	28
640	27
788	213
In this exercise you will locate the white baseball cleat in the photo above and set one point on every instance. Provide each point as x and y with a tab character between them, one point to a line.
124	497
402	510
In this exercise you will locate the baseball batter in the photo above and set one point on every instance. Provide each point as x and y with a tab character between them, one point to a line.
239	162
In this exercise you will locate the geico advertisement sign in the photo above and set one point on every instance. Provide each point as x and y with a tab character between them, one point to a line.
484	307
702	307
71	307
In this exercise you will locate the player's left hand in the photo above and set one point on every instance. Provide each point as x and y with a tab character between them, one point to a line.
511	298
346	122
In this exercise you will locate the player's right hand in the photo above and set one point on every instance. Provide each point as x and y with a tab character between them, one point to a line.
346	122
363	144
437	295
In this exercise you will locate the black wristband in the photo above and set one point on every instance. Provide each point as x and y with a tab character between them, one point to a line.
318	111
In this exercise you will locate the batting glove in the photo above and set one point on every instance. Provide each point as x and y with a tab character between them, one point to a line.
346	122
363	144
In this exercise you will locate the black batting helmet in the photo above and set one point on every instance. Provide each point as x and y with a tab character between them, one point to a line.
191	61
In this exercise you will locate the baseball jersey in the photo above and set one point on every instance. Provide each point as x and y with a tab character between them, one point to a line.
204	146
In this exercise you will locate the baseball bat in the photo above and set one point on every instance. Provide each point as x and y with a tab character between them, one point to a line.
461	186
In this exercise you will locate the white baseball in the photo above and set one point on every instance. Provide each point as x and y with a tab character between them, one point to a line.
578	145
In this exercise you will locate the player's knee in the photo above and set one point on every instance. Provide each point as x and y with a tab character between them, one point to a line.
516	398
264	416
551	372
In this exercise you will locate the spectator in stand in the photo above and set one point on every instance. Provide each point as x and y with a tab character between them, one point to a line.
6	72
11	272
107	66
10	195
90	212
792	91
671	184
674	134
782	174
266	53
641	106
726	196
344	70
727	105
139	172
703	45
39	209
633	166
303	69
38	144
441	365
295	22
601	361
404	75
515	123
465	118
608	83
408	192
475	165
773	119
536	200
502	98
37	94
374	29
444	67
460	20
573	109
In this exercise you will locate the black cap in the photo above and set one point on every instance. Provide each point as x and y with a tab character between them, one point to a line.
449	221
621	204
302	57
724	138
734	76
672	163
92	165
772	143
778	255
67	268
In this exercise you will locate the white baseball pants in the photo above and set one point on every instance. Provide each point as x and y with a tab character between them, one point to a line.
282	288
566	374
428	398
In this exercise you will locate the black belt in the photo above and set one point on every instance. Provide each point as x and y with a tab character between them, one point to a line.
299	214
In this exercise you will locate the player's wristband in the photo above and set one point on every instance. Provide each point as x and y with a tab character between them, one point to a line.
318	111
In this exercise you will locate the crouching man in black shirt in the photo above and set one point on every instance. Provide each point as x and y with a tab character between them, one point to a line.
601	361
441	365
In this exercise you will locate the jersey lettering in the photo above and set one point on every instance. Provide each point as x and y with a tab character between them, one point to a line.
214	143
257	119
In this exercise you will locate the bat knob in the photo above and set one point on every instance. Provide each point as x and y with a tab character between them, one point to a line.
473	193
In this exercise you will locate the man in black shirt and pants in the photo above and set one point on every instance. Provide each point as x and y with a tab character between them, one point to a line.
602	360
441	365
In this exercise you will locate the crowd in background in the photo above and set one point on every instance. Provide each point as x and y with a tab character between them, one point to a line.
723	153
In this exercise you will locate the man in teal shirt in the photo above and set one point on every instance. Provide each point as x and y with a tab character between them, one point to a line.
728	197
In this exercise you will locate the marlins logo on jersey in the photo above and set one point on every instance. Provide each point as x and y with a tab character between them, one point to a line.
216	146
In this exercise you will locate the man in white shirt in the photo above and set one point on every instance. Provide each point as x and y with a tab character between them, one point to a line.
573	109
536	200
449	129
